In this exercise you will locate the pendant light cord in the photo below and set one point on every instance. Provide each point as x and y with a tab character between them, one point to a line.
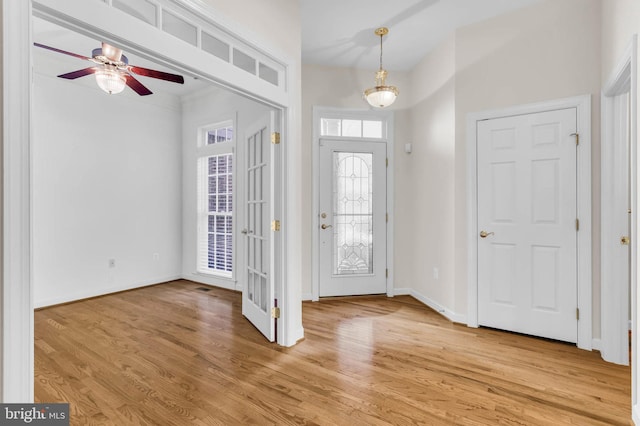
381	52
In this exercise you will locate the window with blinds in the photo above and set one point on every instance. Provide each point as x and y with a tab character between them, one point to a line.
215	201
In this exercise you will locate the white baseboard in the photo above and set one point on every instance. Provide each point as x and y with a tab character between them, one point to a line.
89	293
307	296
596	344
635	414
445	312
294	338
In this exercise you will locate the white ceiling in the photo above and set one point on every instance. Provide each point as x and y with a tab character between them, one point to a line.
340	32
334	32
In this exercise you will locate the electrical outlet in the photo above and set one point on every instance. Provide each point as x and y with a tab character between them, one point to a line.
112	263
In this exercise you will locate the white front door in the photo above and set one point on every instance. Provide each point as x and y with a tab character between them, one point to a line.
258	291
352	218
527	255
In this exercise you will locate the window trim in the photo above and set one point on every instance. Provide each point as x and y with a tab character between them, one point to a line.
204	152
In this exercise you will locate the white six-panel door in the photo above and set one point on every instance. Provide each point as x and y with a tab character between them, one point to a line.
527	255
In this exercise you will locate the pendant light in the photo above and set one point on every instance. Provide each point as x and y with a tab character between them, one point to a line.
381	95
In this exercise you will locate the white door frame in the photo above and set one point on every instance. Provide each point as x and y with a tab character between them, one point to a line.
583	106
319	112
16	345
614	291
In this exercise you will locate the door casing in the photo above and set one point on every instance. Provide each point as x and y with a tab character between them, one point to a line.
583	106
387	116
614	291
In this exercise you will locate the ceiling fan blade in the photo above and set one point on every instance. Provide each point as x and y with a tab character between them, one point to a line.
175	78
61	51
77	74
136	86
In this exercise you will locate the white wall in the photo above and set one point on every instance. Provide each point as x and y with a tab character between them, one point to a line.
106	185
425	183
203	109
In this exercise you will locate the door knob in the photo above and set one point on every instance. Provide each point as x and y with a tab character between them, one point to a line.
625	240
485	234
244	231
324	226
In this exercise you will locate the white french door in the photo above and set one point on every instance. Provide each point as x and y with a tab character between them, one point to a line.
352	218
258	291
527	254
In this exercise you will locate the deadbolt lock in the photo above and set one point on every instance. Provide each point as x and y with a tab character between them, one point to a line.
624	240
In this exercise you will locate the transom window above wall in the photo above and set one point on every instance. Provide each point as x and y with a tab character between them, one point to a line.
170	17
353	128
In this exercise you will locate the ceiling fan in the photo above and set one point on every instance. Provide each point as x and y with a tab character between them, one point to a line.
112	70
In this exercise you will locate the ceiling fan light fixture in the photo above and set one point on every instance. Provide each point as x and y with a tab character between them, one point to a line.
110	80
381	95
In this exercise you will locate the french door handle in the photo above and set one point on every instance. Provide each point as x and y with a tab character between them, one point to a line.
325	226
244	231
485	234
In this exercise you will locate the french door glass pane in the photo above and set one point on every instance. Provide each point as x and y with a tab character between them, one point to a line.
352	213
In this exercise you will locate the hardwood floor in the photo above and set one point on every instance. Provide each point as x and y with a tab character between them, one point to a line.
175	355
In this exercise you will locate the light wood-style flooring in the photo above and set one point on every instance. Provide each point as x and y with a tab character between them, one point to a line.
172	354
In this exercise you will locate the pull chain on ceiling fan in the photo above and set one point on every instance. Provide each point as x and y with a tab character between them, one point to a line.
113	71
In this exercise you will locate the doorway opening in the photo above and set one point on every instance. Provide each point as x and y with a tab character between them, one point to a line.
352	203
618	201
77	16
545	253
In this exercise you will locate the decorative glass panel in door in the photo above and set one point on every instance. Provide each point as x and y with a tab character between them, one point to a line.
353	213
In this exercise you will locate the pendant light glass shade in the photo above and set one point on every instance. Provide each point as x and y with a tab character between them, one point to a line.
110	80
381	95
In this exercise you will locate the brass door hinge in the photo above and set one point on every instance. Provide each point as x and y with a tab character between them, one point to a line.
386	272
577	135
387	217
275	225
577	224
275	312
577	313
387	161
275	138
